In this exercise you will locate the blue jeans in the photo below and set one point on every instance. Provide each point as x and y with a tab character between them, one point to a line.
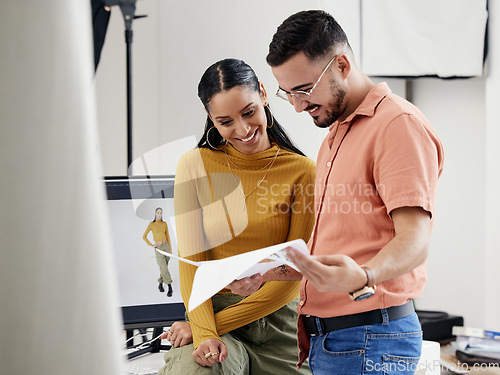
392	347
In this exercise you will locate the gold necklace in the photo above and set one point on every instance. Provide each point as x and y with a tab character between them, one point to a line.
240	186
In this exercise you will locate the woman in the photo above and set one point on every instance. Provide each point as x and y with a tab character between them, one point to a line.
162	242
245	187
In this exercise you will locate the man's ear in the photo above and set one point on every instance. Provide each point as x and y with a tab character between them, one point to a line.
344	64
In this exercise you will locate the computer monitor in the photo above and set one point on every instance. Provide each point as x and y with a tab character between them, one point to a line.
132	202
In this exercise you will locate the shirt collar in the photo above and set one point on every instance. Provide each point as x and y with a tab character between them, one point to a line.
369	103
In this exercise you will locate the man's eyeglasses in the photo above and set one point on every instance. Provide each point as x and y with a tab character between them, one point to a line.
302	95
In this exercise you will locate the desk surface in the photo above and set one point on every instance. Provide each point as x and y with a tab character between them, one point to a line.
155	361
448	356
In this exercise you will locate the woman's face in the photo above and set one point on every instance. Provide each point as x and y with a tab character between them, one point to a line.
158	214
239	116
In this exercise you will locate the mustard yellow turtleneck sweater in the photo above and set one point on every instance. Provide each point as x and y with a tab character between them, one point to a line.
214	221
160	232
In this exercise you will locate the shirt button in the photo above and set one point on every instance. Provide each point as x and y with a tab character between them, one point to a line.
301	303
328	164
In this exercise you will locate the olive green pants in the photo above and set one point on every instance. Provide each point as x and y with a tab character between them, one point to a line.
266	346
162	261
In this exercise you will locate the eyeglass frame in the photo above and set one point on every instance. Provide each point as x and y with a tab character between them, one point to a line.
282	94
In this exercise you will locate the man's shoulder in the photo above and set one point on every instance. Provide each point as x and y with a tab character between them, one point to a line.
394	106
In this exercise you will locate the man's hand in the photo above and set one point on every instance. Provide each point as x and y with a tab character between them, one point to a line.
246	286
330	273
179	334
209	352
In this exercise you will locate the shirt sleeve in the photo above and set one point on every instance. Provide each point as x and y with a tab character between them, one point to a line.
407	164
145	235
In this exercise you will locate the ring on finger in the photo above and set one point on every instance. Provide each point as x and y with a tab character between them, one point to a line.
210	354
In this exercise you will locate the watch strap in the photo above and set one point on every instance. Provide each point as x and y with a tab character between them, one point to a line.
370	277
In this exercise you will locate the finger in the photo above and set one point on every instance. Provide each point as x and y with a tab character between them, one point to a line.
303	263
205	358
173	336
223	353
332	260
310	268
256	278
199	359
185	340
200	353
213	355
238	284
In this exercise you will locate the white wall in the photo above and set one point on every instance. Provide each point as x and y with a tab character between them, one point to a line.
456	275
176	43
492	196
172	48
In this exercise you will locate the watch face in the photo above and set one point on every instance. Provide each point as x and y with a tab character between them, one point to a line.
363	293
364	296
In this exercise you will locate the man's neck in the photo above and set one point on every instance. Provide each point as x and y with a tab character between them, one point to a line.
361	85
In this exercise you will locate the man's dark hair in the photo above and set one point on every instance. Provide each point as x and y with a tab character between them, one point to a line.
314	32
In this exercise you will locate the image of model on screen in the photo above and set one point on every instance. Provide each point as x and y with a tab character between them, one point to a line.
245	187
162	242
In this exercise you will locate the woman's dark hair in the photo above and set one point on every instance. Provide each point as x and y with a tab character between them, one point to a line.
314	32
159	208
223	76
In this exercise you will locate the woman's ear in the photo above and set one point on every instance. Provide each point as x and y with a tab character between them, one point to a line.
263	94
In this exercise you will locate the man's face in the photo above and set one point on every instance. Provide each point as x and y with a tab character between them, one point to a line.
328	100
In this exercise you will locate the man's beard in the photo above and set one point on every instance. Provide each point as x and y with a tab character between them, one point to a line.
335	109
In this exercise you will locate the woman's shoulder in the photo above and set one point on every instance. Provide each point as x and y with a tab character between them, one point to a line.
294	158
161	223
189	160
198	154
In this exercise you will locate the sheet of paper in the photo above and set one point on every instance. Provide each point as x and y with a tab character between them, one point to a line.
212	276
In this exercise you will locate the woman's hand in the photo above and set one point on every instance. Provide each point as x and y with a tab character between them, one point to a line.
209	352
179	334
246	286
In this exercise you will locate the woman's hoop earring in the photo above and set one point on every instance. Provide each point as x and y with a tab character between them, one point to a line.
215	148
272	117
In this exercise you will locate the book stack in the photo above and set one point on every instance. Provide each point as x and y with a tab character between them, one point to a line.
475	345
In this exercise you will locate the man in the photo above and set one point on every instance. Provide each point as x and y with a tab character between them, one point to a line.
377	172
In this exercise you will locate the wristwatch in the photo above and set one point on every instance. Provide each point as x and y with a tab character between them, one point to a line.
368	290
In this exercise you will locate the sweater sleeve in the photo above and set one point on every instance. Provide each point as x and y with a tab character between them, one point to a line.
168	237
273	295
191	241
145	236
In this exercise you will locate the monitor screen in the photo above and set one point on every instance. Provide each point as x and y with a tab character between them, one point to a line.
133	203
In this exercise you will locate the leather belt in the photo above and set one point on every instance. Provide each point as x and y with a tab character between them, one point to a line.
355	320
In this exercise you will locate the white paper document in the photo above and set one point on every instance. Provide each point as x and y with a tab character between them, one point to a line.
214	275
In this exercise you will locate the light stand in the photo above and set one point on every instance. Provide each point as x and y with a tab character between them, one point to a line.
128	10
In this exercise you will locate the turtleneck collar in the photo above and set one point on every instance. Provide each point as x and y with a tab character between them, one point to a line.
251	160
